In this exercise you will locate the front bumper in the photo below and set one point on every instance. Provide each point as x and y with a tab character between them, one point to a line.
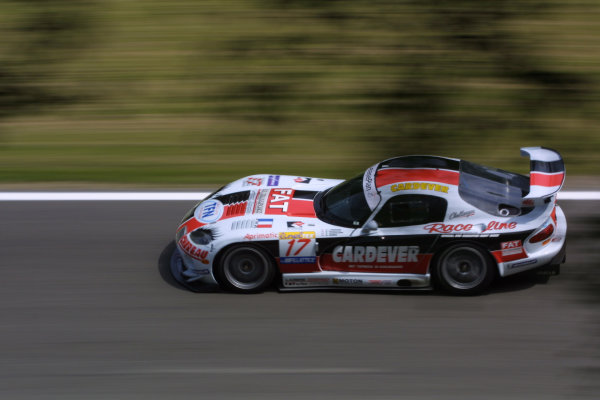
186	276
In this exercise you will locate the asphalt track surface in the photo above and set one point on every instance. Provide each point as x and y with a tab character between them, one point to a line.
88	312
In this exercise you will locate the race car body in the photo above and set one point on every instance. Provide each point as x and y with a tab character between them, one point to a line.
405	223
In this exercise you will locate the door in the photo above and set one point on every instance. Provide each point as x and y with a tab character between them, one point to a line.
392	241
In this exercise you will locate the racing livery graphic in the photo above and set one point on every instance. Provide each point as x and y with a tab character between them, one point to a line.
412	222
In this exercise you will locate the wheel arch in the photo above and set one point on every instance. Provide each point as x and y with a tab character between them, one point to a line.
219	257
439	250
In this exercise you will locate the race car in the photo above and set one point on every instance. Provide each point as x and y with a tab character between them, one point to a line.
406	223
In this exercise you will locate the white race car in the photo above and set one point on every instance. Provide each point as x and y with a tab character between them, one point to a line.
409	222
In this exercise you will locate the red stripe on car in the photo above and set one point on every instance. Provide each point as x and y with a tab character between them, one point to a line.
394	175
191	225
419	267
540	179
503	256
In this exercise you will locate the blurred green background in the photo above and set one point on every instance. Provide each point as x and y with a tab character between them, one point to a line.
190	92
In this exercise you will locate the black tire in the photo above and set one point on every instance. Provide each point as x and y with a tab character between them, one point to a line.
464	269
245	269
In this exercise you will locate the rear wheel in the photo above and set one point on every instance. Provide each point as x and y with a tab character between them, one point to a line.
246	269
464	269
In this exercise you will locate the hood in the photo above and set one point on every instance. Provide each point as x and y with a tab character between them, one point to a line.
261	199
272	195
279	182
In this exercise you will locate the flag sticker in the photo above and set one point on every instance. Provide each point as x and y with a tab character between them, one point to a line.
264	223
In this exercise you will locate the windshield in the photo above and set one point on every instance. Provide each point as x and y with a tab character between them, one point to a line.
344	204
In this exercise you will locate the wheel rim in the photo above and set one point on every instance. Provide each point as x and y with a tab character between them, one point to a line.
464	268
246	268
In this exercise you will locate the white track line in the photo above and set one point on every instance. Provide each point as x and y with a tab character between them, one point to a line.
254	371
578	195
178	196
102	196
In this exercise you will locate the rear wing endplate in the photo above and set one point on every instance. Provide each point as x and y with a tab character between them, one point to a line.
547	171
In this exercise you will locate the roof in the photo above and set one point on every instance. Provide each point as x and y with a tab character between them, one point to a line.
418	168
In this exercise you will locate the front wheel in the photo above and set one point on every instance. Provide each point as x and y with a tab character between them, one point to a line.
464	269
245	269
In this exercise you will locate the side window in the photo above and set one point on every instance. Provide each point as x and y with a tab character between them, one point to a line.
412	209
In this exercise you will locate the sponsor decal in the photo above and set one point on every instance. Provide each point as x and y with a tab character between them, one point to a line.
243	224
283	202
472	235
448	228
252	223
522	263
375	254
496	226
273	180
512	247
510	251
253	181
295	282
369	188
335	232
461	214
346	281
295	224
209	211
261	199
264	223
376	259
451	228
260	236
297	235
302	180
279	200
192	250
298	260
419	186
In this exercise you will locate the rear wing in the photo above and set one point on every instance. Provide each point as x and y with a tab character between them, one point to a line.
547	171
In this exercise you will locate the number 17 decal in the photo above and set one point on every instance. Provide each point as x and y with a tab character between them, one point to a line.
297	250
301	245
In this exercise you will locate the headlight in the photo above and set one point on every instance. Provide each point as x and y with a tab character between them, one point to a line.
201	236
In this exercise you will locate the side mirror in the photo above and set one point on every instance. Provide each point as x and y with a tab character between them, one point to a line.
370	226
